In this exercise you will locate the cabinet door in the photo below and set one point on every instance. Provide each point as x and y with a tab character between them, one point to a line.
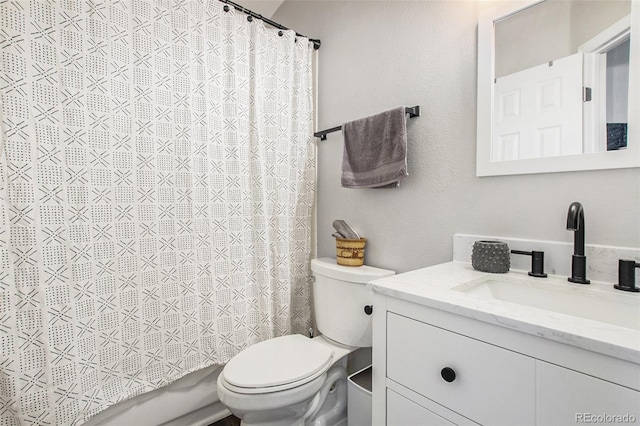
485	383
404	412
566	397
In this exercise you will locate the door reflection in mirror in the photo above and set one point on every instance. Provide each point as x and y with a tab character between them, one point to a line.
539	86
617	96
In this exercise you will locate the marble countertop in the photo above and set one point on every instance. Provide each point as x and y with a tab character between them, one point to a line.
434	287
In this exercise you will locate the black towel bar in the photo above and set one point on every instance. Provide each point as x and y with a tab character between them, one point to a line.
412	111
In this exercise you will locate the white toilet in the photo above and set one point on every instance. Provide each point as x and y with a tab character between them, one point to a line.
295	380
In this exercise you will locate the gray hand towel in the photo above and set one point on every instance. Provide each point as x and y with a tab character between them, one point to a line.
375	150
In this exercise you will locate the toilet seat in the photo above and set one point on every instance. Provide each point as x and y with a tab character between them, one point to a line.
277	364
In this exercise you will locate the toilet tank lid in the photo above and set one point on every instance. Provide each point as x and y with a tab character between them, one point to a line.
328	267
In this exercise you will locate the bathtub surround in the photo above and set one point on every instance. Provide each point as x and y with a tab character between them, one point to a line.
157	178
191	400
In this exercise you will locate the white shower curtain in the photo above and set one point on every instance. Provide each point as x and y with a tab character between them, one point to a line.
157	175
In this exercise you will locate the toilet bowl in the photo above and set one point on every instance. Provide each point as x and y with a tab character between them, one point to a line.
296	380
285	381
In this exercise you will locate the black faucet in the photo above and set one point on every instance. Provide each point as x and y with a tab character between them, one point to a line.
575	222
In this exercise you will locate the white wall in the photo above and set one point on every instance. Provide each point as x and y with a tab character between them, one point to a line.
265	8
380	54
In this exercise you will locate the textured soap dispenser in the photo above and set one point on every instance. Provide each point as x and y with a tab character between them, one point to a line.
490	256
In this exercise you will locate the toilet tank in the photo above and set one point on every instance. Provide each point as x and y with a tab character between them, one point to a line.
339	297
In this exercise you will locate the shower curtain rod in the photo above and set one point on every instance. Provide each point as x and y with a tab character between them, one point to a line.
412	111
315	41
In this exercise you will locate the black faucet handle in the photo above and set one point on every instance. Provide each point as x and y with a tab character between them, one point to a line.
537	262
627	275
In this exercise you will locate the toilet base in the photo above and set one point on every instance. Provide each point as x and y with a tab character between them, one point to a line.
333	411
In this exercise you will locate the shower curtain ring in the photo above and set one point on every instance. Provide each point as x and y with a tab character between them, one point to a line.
226	8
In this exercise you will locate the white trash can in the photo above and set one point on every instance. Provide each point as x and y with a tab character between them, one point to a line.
359	398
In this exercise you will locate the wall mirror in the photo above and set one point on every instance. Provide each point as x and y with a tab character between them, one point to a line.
558	85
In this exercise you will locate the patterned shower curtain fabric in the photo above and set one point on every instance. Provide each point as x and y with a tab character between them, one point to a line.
157	174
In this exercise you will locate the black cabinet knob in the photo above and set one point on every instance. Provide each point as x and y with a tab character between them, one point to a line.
448	374
368	309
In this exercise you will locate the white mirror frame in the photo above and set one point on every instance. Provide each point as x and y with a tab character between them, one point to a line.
626	158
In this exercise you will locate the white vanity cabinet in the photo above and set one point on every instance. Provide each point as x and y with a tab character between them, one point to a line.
403	411
567	397
466	375
437	368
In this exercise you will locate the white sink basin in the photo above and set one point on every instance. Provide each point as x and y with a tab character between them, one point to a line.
594	302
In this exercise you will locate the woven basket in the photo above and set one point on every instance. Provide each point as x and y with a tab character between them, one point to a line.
350	252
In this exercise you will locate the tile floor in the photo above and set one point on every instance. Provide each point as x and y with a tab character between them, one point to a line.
227	421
